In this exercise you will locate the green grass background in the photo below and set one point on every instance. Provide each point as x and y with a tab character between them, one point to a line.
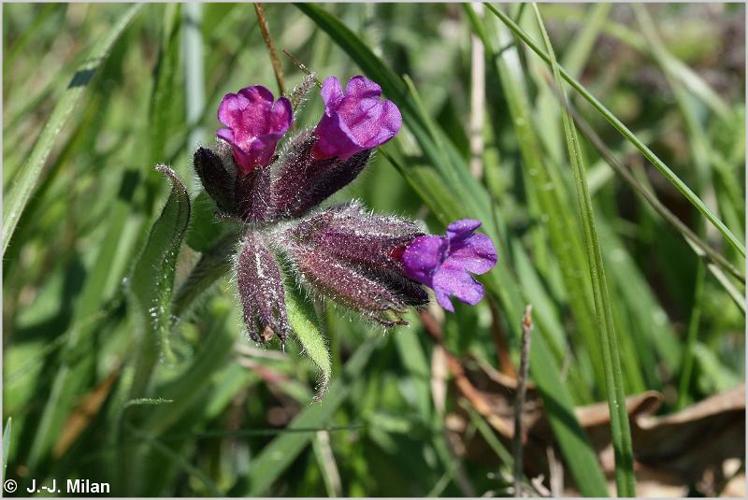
96	95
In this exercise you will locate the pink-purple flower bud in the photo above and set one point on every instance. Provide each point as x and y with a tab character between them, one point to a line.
355	120
254	125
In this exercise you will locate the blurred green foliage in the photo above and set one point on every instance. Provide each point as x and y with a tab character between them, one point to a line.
188	405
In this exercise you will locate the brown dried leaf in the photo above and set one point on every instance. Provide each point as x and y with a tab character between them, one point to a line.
674	451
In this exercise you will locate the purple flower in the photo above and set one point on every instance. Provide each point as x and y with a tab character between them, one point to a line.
254	125
444	263
354	120
346	253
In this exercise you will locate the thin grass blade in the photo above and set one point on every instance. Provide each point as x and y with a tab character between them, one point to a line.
611	348
628	134
28	177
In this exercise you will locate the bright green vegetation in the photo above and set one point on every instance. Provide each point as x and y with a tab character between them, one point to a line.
620	218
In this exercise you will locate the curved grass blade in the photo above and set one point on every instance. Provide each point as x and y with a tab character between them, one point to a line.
703	247
628	134
28	177
611	347
305	325
553	199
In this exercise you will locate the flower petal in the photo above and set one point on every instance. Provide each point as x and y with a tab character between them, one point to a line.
229	111
332	93
226	134
454	280
423	256
446	268
462	227
257	94
355	120
475	254
254	125
361	87
442	298
281	115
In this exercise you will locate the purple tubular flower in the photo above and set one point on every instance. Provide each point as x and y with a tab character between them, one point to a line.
355	120
261	290
254	125
351	233
352	257
383	298
444	263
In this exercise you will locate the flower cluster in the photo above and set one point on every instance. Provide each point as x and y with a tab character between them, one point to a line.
373	264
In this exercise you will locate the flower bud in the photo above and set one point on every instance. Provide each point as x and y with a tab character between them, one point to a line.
216	178
352	257
354	120
261	290
351	233
254	125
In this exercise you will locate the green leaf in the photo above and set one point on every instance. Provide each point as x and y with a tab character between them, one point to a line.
214	354
150	289
28	177
152	280
611	347
305	324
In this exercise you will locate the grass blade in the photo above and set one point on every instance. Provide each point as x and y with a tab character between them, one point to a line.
693	330
621	434
553	200
69	376
29	176
628	134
